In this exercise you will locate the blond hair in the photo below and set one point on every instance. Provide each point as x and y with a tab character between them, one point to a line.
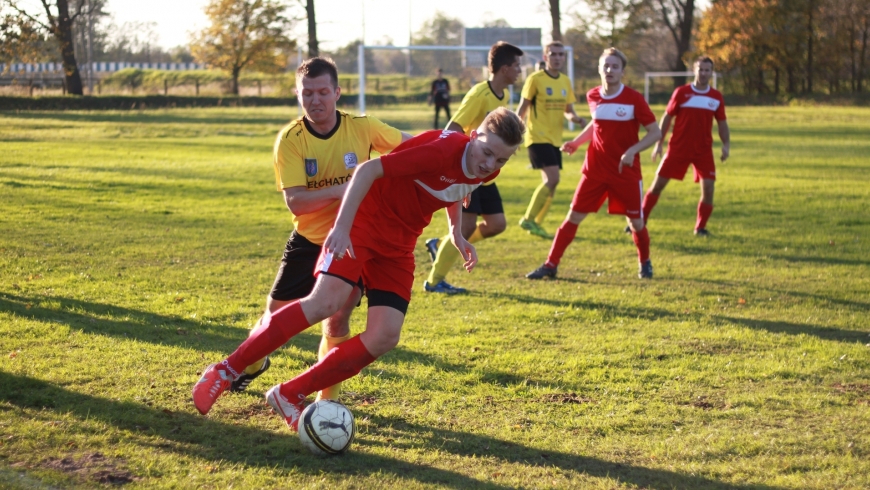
506	125
615	52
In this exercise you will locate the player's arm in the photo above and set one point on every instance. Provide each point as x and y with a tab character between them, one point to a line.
725	137
665	126
523	109
454	222
453	126
653	134
572	116
301	201
585	136
338	240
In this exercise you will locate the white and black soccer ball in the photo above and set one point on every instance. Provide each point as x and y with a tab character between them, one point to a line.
326	427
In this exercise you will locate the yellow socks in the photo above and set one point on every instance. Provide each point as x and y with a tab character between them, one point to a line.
539	218
326	345
445	258
476	236
539	199
253	368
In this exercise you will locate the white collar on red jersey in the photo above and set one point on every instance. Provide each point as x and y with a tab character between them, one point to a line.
608	97
465	163
700	91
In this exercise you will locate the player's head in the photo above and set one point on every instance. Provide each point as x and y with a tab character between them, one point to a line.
554	55
504	61
611	66
703	68
440	72
317	88
494	142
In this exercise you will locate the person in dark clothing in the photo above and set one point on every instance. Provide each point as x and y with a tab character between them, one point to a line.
440	96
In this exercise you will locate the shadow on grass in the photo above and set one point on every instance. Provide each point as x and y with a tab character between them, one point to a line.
820	260
824	333
191	435
136	324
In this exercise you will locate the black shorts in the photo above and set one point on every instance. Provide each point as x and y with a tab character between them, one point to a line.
295	277
544	155
485	200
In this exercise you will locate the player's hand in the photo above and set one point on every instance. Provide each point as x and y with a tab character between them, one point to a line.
657	151
466	201
726	151
469	254
570	147
627	160
338	243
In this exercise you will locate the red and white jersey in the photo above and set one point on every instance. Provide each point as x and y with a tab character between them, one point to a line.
616	121
694	111
422	175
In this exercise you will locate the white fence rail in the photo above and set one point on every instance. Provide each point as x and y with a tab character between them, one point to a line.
98	67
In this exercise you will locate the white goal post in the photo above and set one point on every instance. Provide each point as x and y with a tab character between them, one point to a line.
653	74
361	66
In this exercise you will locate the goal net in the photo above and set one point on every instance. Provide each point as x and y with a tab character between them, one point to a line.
390	75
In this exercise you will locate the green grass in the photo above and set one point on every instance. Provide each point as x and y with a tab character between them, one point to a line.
137	247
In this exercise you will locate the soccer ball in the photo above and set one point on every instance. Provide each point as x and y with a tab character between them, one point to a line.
326	427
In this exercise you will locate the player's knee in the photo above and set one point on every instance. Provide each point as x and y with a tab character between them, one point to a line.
495	226
552	182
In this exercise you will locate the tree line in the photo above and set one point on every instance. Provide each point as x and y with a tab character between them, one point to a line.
761	46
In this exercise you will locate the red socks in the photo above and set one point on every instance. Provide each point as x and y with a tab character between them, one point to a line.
343	362
641	239
704	212
274	331
649	202
564	235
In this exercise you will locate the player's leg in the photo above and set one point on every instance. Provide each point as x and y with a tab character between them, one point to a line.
389	281
626	199
705	206
548	159
383	328
588	198
329	294
652	195
294	280
447	255
336	329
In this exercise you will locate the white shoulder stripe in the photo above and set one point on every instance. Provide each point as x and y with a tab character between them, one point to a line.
614	112
701	102
453	193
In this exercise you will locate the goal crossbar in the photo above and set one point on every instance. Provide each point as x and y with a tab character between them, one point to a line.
361	65
651	74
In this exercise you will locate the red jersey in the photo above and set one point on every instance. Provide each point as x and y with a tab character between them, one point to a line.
616	121
421	176
694	111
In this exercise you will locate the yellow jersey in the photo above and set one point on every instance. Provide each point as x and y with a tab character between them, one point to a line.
303	157
549	97
477	103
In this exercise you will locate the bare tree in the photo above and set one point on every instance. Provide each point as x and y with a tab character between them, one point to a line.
59	23
555	15
313	48
678	16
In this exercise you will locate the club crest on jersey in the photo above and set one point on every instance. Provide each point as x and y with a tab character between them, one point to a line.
620	112
549	91
350	160
311	167
564	92
711	104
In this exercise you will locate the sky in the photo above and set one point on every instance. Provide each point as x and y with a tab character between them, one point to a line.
340	22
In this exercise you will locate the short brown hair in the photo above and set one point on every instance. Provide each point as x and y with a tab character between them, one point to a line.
554	43
506	125
502	54
615	52
318	66
704	59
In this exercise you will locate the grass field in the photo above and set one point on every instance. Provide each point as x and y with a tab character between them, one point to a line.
137	247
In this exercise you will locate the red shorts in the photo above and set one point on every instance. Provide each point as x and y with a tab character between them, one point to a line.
703	164
385	272
622	198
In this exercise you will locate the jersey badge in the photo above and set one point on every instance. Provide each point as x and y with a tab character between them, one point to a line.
564	93
620	111
549	90
350	160
711	104
311	167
